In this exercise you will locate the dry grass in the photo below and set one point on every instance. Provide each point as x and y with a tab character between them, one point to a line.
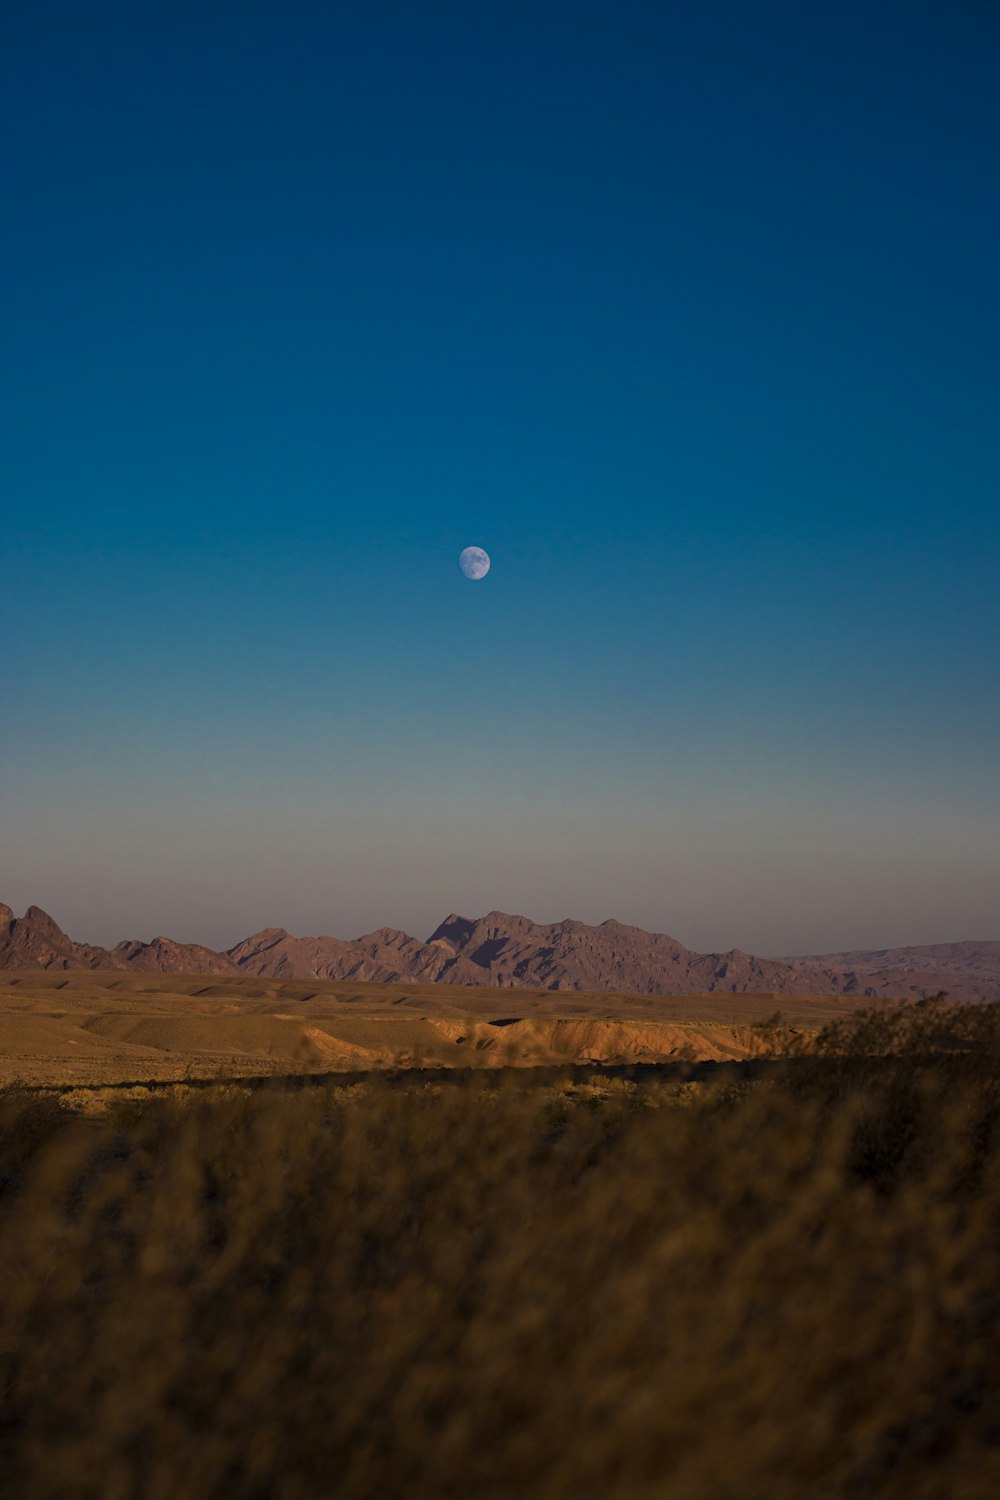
781	1289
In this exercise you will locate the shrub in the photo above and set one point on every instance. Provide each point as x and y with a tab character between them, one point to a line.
785	1290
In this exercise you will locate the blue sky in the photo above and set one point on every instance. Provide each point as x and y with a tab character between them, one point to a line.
688	313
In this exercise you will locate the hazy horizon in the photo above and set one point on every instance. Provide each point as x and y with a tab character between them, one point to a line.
194	927
688	315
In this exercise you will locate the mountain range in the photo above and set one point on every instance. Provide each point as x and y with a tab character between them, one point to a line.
513	952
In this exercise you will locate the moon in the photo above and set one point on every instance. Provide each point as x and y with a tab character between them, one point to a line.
474	562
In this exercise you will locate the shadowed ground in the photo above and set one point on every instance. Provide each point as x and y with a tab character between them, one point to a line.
704	1281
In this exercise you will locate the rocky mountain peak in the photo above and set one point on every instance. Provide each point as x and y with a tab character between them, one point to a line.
42	924
453	929
504	949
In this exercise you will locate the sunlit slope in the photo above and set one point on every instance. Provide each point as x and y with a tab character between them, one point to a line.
108	1027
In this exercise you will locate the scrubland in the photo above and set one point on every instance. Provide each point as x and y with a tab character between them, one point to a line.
785	1285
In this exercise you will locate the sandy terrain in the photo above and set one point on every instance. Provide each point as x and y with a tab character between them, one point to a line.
94	1027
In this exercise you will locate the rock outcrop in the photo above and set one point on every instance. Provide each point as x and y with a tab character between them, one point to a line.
571	955
508	951
36	941
164	956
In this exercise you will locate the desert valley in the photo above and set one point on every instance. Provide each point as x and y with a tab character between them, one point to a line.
493	992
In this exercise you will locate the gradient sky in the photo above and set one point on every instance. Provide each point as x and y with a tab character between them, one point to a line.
688	312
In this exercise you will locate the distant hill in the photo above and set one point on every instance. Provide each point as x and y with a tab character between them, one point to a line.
965	970
574	956
36	941
165	956
513	952
380	957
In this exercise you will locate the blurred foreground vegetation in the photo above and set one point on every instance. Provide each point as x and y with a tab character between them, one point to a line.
785	1286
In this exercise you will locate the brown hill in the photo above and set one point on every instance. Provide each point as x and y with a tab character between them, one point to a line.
380	957
164	956
514	952
966	971
571	955
431	963
276	952
36	941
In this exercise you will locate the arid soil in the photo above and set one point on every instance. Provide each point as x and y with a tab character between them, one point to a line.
94	1027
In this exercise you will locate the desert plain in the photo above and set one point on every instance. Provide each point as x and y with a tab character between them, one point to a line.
95	1028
